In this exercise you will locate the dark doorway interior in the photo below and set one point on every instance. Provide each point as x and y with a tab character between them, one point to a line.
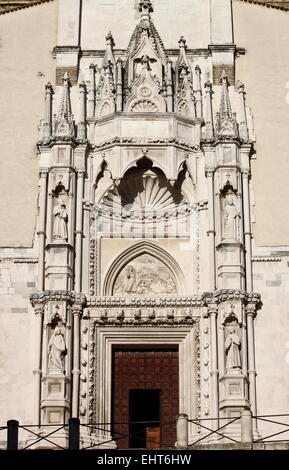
144	411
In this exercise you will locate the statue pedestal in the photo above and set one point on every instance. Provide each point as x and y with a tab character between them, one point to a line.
55	406
233	401
58	271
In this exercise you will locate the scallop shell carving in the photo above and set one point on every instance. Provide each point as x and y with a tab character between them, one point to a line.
143	192
144	106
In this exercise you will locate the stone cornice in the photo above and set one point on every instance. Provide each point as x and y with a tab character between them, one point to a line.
9	7
279	5
43	297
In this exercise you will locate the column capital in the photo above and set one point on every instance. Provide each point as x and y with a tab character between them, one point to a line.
213	310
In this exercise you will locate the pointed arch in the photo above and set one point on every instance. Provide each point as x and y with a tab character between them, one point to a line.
143	248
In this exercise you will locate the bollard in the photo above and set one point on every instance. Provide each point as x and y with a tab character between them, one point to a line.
12	434
246	426
182	430
73	434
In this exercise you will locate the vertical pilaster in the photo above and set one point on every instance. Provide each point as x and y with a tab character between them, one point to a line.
213	314
247	231
222	47
91	92
76	311
251	312
79	230
37	372
198	93
119	96
211	229
68	39
41	231
170	97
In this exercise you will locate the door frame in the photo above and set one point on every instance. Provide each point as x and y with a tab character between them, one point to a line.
107	338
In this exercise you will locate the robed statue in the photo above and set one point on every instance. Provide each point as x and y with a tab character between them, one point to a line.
232	348
231	218
60	221
56	351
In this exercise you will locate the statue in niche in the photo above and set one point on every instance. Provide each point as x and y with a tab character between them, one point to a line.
56	351
232	349
60	221
231	217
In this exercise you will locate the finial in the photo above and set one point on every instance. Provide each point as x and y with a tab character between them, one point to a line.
224	77
145	6
64	120
109	39
182	42
65	79
145	60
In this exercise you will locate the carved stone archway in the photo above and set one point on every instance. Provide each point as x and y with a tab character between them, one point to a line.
173	275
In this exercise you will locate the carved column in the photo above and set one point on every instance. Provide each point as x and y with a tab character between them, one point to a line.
251	313
48	107
119	89
77	312
79	232
91	92
213	314
169	87
247	231
37	372
41	232
243	126
81	128
211	229
198	93
209	121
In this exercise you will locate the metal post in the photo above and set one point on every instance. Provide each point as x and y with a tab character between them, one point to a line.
12	434
182	430
73	434
246	426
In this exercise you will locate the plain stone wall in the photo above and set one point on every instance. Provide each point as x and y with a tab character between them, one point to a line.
27	38
264	69
271	280
172	18
17	340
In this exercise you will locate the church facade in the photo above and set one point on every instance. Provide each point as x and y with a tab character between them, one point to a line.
141	285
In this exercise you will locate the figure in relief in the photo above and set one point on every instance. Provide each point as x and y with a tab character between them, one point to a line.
60	221
232	348
231	218
130	279
56	351
143	276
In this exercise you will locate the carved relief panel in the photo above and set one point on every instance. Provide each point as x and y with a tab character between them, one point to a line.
145	275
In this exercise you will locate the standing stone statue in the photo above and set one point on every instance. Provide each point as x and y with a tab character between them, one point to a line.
231	218
60	221
56	351
232	348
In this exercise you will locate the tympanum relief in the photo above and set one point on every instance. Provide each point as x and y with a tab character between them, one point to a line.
145	275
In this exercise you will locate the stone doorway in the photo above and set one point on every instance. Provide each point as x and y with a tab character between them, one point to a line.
145	388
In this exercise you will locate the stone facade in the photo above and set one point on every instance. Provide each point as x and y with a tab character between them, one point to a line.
144	219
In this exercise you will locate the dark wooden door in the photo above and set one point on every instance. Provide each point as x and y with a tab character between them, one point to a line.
145	370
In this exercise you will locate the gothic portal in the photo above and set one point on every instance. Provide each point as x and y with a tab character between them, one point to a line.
144	236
